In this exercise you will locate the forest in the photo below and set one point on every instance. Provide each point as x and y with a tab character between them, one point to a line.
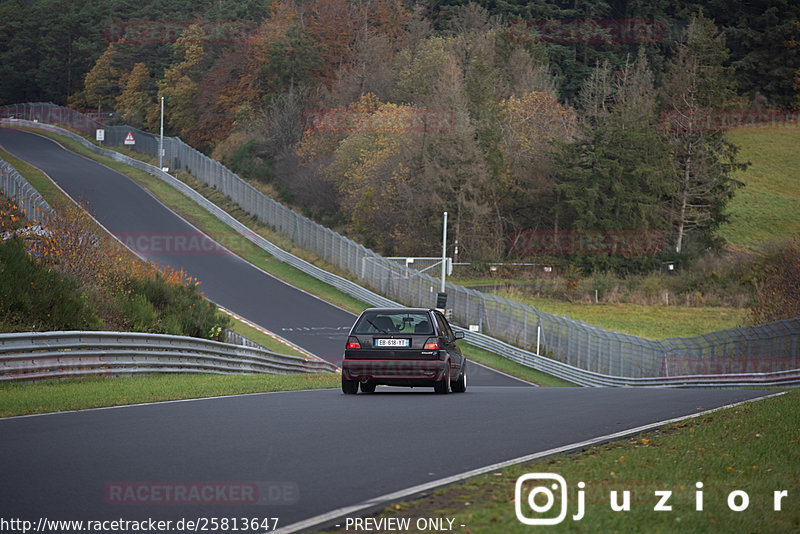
373	117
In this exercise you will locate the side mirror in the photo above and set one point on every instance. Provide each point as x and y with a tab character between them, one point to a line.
459	335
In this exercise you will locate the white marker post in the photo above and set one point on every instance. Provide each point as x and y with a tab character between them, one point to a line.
161	139
444	251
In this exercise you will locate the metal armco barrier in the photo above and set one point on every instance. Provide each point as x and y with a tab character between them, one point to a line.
50	355
577	352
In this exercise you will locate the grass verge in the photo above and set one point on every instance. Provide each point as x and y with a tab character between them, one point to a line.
654	322
754	448
265	340
765	209
505	365
55	396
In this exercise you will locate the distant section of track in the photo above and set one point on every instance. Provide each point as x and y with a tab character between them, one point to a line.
157	233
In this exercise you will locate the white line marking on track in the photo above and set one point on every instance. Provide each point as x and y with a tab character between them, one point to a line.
384	500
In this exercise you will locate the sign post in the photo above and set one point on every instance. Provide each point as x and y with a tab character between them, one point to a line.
161	139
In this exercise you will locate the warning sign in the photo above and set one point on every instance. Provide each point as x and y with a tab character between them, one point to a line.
129	140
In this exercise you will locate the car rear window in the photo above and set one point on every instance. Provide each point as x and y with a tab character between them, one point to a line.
394	323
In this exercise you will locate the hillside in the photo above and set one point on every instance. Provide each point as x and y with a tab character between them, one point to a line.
766	209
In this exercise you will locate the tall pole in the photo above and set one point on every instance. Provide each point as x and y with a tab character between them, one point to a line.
161	139
444	250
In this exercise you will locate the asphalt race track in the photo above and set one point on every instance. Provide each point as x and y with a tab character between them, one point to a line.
291	455
138	219
308	452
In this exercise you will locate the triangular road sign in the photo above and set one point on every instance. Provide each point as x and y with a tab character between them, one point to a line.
129	140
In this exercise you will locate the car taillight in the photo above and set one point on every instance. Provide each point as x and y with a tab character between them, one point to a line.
432	344
352	343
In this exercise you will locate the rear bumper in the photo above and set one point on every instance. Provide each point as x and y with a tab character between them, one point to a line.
394	371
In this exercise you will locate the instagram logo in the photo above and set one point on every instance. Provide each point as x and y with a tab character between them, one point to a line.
536	495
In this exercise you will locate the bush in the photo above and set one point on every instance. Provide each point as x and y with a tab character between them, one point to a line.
35	298
79	282
156	305
779	293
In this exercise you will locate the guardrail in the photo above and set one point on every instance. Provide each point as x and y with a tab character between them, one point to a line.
49	355
583	377
562	370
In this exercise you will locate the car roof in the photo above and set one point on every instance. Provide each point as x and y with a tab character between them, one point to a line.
397	310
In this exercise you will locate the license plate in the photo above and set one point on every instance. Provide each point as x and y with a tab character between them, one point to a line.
391	343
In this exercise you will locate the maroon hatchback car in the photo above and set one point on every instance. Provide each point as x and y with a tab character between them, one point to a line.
403	347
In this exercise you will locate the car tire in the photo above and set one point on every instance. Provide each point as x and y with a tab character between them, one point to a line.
460	385
349	387
368	387
443	386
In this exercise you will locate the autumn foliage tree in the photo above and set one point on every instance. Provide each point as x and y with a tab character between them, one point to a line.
136	101
180	85
531	124
101	86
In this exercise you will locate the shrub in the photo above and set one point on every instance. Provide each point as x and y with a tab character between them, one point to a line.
80	279
779	294
35	298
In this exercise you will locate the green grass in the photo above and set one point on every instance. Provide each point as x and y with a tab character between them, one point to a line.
654	322
766	209
505	365
265	340
753	448
42	397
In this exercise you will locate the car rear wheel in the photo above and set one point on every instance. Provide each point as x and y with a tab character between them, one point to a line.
349	387
460	385
368	387
443	386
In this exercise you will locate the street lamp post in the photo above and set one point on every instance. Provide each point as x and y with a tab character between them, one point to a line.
161	139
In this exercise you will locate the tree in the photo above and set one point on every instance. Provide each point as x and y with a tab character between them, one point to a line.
530	124
614	176
179	85
335	26
698	85
454	166
374	172
280	57
101	86
217	99
135	101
